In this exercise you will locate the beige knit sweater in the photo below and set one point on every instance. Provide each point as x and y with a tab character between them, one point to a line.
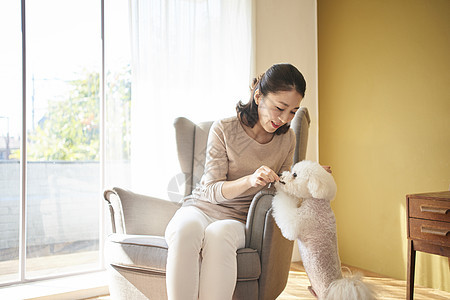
232	154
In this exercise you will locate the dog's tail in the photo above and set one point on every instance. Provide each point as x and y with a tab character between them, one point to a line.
350	288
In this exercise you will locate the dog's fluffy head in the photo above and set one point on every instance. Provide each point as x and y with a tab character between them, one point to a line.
308	179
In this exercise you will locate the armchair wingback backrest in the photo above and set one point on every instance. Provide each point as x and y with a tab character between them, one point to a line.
192	142
300	125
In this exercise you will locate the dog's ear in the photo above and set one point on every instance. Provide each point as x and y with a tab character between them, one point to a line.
321	185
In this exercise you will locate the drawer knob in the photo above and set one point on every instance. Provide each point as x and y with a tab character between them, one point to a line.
436	210
435	231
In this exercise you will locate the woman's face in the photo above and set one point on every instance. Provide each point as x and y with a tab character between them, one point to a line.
277	109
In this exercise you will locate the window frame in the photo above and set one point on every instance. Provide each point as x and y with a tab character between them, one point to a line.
23	161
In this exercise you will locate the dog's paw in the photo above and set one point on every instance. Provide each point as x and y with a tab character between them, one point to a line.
311	290
284	212
288	228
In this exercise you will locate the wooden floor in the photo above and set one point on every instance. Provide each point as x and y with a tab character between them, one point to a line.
386	288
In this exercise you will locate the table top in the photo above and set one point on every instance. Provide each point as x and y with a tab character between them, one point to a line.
444	195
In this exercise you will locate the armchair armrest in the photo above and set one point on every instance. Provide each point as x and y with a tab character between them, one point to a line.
133	213
257	214
275	251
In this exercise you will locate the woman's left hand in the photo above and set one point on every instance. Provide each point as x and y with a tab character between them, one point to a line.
327	168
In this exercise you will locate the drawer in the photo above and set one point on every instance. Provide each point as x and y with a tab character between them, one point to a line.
434	232
429	209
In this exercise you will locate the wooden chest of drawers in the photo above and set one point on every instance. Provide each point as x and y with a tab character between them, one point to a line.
428	217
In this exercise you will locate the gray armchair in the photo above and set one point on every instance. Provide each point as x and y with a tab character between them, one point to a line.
136	251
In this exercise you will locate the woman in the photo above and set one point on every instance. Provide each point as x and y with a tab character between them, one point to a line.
244	154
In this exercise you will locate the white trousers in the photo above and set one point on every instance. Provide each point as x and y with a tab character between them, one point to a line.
201	262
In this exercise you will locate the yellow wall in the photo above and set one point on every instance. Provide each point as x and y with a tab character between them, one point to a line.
384	107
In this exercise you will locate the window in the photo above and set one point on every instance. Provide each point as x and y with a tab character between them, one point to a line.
10	138
62	96
63	57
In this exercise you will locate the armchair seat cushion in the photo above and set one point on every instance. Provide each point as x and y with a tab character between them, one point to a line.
143	252
149	253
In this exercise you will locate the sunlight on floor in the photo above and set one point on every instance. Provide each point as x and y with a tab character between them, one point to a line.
386	288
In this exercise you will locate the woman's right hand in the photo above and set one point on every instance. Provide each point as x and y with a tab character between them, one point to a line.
260	178
263	176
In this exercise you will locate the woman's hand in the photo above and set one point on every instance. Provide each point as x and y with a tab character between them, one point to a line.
263	176
327	168
260	178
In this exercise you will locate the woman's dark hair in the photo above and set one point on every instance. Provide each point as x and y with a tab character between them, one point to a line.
279	77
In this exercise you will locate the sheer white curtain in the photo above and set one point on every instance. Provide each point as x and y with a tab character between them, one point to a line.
190	58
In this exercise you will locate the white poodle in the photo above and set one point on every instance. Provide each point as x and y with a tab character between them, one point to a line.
301	208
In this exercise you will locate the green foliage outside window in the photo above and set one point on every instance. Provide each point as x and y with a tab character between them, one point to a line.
69	131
